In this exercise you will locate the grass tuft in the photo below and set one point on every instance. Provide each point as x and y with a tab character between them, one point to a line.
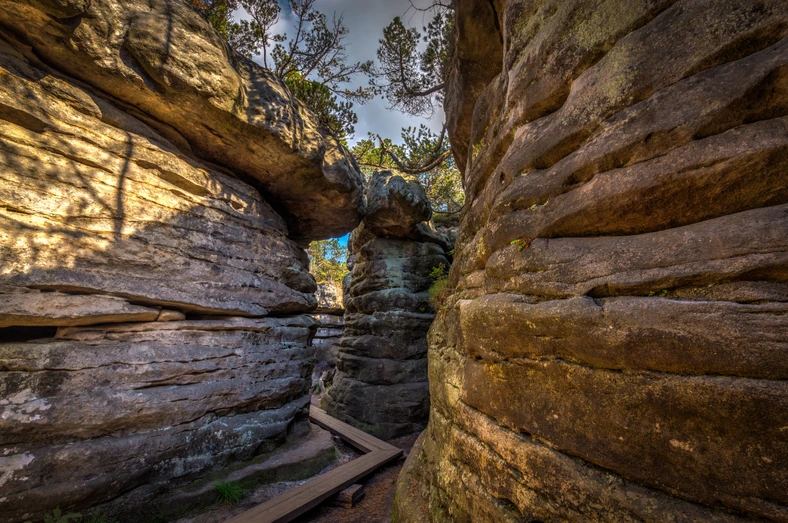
229	492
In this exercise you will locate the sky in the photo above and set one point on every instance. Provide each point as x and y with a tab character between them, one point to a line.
366	19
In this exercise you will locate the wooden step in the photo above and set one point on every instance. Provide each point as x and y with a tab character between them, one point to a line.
349	497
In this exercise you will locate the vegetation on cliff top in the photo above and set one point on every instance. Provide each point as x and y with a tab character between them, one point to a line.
410	74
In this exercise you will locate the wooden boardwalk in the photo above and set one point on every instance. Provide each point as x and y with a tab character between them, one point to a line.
293	503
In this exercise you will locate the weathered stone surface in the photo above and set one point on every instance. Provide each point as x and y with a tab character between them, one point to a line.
329	297
396	202
155	194
381	367
31	307
330	328
305	454
94	200
615	345
83	417
161	61
167	315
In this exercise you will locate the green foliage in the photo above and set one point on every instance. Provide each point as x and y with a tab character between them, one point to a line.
336	116
313	62
229	492
438	272
522	243
439	291
413	80
327	260
57	516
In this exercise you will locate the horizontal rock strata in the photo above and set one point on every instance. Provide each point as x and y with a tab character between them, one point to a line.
615	345
155	194
104	411
330	328
381	379
96	201
162	61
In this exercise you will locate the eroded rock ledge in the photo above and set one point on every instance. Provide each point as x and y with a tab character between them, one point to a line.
161	62
616	343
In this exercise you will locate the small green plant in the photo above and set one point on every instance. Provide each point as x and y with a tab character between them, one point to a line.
662	293
439	291
438	272
57	516
522	243
229	492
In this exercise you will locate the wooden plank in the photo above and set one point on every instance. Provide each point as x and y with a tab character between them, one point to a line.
358	438
293	503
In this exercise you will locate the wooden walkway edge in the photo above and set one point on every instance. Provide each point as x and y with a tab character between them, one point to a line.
294	502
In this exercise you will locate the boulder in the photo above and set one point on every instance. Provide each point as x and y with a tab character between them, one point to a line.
329	297
97	202
396	202
614	345
156	191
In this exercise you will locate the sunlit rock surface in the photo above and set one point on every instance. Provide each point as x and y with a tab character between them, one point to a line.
616	346
155	195
381	379
162	63
329	297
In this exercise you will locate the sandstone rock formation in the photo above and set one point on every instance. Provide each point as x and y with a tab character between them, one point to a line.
104	410
154	191
616	345
330	328
330	297
381	380
163	64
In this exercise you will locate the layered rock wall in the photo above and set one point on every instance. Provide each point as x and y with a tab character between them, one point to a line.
330	328
616	343
381	380
154	299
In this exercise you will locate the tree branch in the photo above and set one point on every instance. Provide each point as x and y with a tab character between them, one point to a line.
413	170
433	5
